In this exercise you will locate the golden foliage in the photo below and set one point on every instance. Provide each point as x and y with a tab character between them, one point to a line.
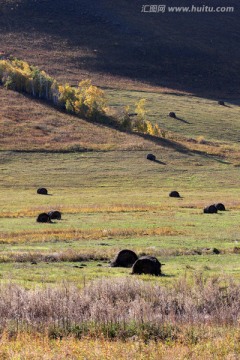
139	122
85	100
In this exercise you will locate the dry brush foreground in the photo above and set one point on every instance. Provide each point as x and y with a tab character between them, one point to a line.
124	320
121	309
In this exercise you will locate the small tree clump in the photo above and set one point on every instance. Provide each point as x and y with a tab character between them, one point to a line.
126	122
86	100
140	124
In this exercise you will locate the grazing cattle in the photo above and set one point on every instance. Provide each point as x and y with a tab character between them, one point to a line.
42	191
174	194
125	258
151	157
211	209
147	265
220	102
55	215
172	114
220	207
43	218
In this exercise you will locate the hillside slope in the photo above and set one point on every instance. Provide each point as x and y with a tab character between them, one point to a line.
115	43
28	124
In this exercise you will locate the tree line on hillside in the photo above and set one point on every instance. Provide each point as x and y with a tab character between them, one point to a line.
85	100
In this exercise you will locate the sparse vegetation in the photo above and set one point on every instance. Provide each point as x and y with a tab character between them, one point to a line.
139	122
120	310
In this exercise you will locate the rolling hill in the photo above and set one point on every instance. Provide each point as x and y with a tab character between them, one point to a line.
118	45
176	61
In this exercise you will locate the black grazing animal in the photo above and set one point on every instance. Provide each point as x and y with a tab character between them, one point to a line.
220	207
55	215
42	191
172	115
211	209
147	265
174	194
43	218
220	102
151	157
125	258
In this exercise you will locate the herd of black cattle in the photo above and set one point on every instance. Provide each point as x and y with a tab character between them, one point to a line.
128	258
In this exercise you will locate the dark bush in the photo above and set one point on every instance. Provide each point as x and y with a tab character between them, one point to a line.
43	218
151	157
220	207
147	265
174	194
55	215
211	209
172	115
125	258
42	191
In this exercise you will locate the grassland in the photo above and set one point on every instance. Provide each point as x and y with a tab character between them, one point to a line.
112	198
115	200
196	116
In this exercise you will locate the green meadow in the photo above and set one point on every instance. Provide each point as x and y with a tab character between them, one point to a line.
196	116
111	201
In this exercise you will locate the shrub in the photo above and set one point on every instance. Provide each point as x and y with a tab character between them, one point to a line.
119	309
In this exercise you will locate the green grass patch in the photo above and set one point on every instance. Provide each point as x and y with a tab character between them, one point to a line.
110	201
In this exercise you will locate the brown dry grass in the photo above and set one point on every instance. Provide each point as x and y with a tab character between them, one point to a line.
220	150
76	235
121	208
219	344
27	124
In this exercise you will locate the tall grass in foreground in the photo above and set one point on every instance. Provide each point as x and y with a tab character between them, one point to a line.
120	309
216	344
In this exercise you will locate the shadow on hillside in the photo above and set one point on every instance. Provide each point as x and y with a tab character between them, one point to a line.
182	120
165	143
159	162
110	122
180	148
187	52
